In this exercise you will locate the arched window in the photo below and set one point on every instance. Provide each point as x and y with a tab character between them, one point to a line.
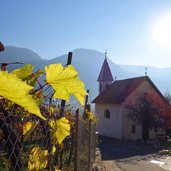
107	113
107	85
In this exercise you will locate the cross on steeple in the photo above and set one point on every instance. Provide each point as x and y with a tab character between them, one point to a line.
105	77
106	54
145	71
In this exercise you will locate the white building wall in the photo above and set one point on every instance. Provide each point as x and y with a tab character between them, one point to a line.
111	127
119	126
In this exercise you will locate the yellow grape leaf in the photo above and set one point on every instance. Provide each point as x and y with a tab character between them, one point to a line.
8	105
56	169
31	79
53	150
38	159
17	91
28	126
51	123
39	97
65	82
60	130
90	116
23	72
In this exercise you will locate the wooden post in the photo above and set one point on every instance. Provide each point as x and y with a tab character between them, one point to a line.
63	101
85	105
89	146
89	141
76	141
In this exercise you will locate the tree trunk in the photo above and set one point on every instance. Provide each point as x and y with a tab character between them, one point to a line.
145	133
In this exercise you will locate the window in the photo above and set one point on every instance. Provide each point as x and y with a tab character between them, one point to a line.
133	129
107	113
107	85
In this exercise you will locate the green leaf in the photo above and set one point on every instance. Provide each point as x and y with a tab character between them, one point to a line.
17	91
65	82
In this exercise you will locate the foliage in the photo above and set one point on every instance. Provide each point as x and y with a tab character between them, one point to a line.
60	130
89	115
148	108
150	111
38	159
65	82
17	91
30	103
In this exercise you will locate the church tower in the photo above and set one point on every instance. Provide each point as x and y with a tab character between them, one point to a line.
105	77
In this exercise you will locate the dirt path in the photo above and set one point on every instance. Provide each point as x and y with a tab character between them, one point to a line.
110	166
117	156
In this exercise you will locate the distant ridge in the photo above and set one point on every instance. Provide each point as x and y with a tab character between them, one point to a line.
88	63
12	53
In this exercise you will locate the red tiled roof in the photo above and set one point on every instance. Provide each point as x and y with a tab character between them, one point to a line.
105	73
118	91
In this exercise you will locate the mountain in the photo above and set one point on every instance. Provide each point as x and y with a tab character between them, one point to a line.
160	76
88	63
23	55
13	54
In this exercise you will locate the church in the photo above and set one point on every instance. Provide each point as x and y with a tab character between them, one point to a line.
110	104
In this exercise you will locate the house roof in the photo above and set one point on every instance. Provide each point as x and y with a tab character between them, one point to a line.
105	73
118	91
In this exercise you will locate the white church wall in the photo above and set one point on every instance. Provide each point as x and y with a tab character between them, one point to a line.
111	127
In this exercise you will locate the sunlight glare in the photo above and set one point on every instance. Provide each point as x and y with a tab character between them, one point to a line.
162	32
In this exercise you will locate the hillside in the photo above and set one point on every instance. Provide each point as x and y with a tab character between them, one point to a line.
88	63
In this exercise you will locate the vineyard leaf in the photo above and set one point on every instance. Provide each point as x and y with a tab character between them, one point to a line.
39	97
38	159
51	123
53	150
17	91
61	129
65	82
23	72
28	127
56	169
31	79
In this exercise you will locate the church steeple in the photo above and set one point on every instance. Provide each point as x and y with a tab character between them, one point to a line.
105	77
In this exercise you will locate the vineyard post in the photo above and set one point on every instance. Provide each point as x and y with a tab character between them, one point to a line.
63	106
63	101
76	141
89	141
85	105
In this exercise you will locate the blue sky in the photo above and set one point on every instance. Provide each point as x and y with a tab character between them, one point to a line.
53	27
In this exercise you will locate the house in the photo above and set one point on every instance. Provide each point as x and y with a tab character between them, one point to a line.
110	104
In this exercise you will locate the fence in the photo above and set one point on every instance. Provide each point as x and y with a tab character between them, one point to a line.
26	141
77	152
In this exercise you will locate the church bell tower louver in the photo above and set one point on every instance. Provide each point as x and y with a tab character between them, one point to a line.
105	77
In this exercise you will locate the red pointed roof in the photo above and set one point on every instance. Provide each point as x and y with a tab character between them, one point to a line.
105	73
